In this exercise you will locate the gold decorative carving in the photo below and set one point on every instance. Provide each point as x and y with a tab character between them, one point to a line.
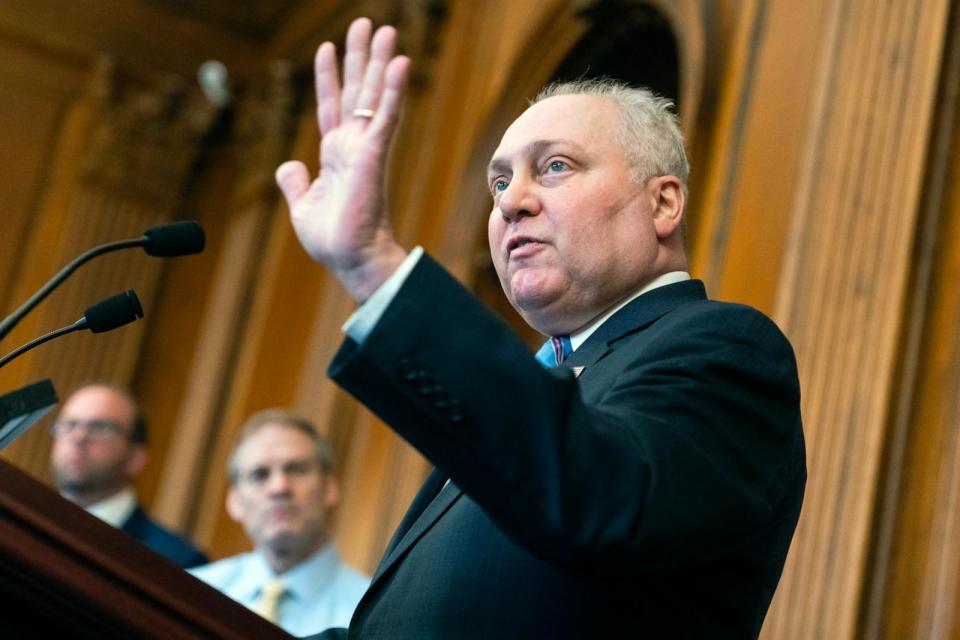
418	25
263	129
146	140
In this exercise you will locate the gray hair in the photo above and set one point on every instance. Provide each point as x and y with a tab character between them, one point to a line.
321	448
649	134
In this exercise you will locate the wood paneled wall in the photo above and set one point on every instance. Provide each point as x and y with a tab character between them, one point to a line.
824	137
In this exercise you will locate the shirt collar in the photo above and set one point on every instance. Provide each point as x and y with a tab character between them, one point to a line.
313	575
302	582
116	509
255	572
671	277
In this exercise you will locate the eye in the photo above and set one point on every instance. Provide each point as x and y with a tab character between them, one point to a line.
499	186
103	427
557	166
258	475
300	468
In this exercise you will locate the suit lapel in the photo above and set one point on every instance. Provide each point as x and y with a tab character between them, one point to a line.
636	315
431	502
136	522
428	491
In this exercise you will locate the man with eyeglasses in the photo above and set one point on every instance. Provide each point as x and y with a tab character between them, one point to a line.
282	488
99	448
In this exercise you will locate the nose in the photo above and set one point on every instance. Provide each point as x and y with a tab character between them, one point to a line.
519	199
278	483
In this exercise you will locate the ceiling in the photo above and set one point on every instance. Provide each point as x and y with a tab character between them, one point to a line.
255	19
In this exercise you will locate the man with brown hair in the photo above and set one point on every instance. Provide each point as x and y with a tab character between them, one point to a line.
282	489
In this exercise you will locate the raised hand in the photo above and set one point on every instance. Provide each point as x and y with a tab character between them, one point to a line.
341	216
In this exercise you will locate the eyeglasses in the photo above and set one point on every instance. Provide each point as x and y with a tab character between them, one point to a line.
259	476
94	428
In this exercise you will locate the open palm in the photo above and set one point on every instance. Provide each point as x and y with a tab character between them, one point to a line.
340	217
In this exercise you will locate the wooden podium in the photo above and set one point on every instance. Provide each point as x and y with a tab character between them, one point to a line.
65	573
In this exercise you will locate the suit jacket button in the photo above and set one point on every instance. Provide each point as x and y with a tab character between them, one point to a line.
405	366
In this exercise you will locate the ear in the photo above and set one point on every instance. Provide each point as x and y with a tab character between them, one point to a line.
331	491
136	461
234	505
669	204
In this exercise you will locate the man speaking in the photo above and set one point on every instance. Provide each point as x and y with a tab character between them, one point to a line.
645	477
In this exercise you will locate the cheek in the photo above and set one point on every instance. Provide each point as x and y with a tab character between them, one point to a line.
495	229
495	234
254	509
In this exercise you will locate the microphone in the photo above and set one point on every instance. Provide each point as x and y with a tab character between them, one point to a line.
111	313
106	315
174	239
165	241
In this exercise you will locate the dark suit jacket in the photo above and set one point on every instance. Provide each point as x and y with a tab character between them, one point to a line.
653	496
163	541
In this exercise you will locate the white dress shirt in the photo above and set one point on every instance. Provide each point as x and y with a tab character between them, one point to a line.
321	592
359	325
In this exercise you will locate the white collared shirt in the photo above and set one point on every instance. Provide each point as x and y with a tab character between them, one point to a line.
116	509
359	325
321	592
671	277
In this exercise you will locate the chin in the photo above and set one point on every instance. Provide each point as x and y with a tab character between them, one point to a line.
532	299
539	320
541	311
281	529
283	538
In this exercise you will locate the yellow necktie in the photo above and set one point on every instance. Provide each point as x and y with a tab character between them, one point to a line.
269	600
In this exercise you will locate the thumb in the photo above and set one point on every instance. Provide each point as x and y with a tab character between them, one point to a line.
293	179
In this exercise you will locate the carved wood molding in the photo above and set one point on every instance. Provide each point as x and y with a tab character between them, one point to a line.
844	285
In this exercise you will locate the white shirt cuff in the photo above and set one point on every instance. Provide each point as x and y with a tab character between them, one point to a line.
359	325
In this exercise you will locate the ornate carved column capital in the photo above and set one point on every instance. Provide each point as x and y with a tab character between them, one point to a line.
418	25
145	140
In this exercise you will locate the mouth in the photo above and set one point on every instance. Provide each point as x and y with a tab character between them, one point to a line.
281	512
523	245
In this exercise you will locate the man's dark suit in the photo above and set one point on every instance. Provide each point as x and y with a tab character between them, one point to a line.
654	496
163	541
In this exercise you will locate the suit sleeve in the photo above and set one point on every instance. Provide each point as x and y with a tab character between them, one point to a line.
689	450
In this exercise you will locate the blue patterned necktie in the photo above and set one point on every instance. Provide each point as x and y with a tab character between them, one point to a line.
554	351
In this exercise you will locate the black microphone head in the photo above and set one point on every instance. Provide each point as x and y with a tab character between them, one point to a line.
175	239
113	312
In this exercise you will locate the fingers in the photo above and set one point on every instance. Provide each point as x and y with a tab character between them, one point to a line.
355	62
327	87
294	180
373	79
388	113
381	50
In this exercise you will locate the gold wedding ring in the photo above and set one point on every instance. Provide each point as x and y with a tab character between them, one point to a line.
363	113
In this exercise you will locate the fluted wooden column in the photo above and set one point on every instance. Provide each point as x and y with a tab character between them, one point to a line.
915	568
217	390
843	285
